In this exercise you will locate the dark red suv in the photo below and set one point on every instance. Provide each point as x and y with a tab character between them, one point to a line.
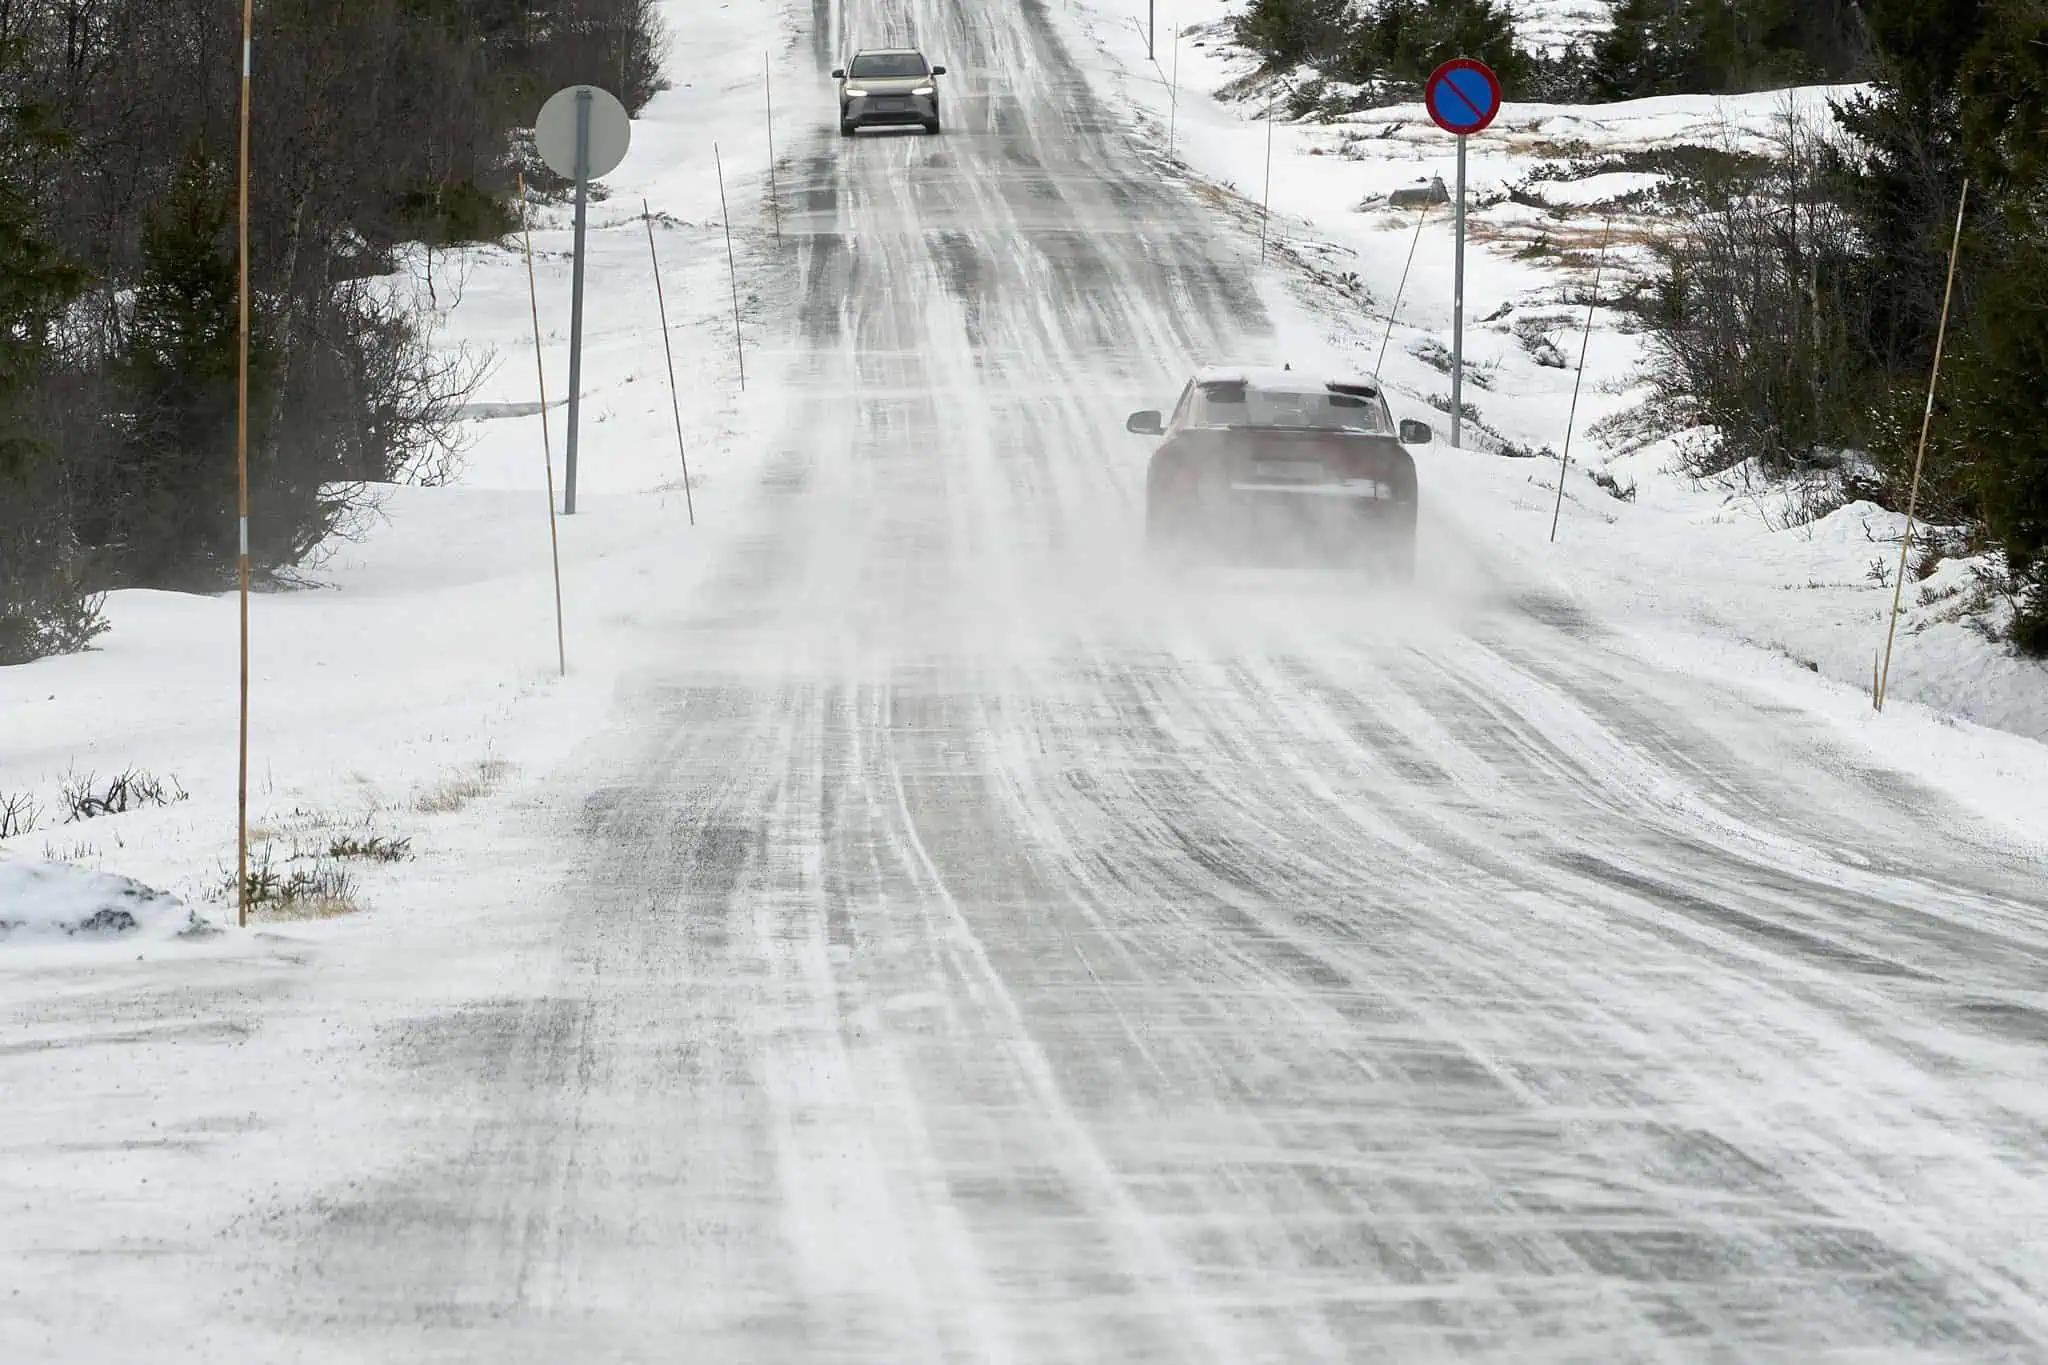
1282	467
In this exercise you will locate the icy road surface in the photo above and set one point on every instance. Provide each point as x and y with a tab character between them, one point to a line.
964	946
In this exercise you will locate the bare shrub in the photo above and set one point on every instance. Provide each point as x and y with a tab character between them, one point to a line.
1749	332
1536	335
135	789
18	814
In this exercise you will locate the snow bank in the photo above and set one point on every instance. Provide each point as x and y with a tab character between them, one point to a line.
43	901
1592	191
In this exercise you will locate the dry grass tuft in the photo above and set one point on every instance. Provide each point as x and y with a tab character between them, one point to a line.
325	890
461	787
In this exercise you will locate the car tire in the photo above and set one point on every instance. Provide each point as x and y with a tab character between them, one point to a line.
931	125
846	128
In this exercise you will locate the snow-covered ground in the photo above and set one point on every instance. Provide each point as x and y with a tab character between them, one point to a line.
417	667
1551	25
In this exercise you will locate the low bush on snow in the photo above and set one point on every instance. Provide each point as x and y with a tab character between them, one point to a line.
18	814
375	848
461	787
135	789
322	890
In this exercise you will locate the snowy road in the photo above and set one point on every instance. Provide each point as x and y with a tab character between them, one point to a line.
964	946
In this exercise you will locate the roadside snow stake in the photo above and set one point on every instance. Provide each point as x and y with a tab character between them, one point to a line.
1463	98
242	488
732	271
768	97
1266	197
1884	677
546	444
1173	100
1585	345
675	404
1399	294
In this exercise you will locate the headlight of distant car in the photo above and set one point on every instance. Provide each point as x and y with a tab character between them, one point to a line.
854	92
924	90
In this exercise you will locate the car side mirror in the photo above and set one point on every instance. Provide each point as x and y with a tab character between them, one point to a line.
938	71
1145	423
1415	433
838	73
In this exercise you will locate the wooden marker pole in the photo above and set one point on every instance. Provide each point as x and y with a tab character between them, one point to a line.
1266	196
774	205
675	403
1884	677
546	445
732	271
1399	293
1173	104
1585	345
242	483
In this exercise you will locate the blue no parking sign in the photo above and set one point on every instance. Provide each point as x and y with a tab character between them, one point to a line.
1463	96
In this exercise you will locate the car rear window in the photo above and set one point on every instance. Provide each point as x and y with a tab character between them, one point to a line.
1242	406
888	65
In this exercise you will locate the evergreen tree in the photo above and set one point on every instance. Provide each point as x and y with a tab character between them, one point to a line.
1665	47
44	605
1964	92
166	514
2000	420
1408	39
1997	395
1288	33
1644	53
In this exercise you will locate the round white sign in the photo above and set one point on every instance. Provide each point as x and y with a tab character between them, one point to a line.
554	132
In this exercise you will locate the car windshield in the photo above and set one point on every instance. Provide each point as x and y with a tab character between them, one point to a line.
1235	406
887	65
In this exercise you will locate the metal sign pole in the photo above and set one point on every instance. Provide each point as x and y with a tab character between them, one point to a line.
1457	317
576	298
1463	98
1151	28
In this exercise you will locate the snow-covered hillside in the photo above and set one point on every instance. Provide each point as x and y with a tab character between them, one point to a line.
1728	560
1548	26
